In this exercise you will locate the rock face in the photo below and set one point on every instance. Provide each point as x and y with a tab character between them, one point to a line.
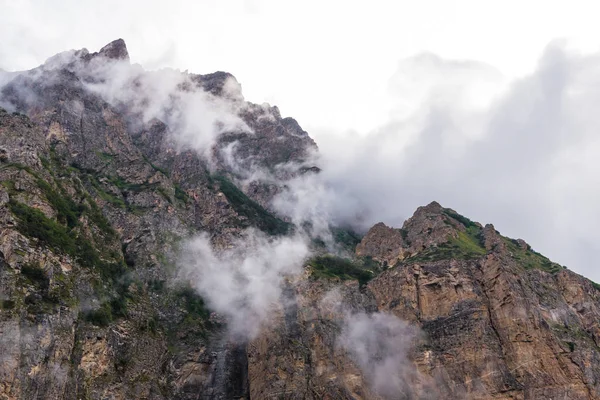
97	193
501	320
93	202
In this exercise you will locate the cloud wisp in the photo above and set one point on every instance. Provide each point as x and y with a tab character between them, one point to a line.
522	154
243	282
380	344
195	116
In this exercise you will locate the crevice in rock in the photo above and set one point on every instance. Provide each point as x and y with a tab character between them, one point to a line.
230	372
418	290
488	307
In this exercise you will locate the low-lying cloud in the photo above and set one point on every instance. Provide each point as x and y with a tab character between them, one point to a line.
380	344
244	282
524	157
195	117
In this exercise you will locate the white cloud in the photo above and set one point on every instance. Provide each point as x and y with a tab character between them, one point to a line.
244	282
381	345
527	161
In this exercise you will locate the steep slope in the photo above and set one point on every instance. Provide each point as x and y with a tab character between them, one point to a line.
101	183
502	321
497	320
94	203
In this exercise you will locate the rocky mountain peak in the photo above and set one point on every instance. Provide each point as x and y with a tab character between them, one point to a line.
430	226
97	204
115	50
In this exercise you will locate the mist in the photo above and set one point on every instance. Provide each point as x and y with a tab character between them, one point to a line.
520	154
242	283
194	116
517	153
381	344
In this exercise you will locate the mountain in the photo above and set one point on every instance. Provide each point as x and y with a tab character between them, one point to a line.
108	170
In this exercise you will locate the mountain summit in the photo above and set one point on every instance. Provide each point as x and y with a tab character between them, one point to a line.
116	50
145	253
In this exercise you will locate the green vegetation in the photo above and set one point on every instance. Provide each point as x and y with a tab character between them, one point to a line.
123	185
116	307
464	247
20	167
194	304
35	275
347	238
156	285
181	195
463	220
331	267
42	300
529	258
10	186
247	207
155	167
68	212
195	321
33	223
108	197
95	215
101	316
108	157
7	304
64	235
469	245
164	194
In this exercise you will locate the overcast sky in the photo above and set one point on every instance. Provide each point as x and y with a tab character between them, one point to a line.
487	107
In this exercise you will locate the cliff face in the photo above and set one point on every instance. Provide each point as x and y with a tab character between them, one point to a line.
93	203
99	190
501	320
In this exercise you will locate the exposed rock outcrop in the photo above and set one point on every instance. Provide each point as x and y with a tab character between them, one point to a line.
95	199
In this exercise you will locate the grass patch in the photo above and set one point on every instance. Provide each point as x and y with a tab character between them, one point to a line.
68	212
7	304
108	157
530	259
162	191
125	186
42	300
155	167
104	195
181	195
467	245
331	267
95	215
463	220
35	275
193	302
464	247
33	223
347	238
253	211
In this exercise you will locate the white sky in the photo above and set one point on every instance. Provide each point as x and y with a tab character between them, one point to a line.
327	63
343	69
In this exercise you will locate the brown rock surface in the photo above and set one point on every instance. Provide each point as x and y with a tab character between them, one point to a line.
94	202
